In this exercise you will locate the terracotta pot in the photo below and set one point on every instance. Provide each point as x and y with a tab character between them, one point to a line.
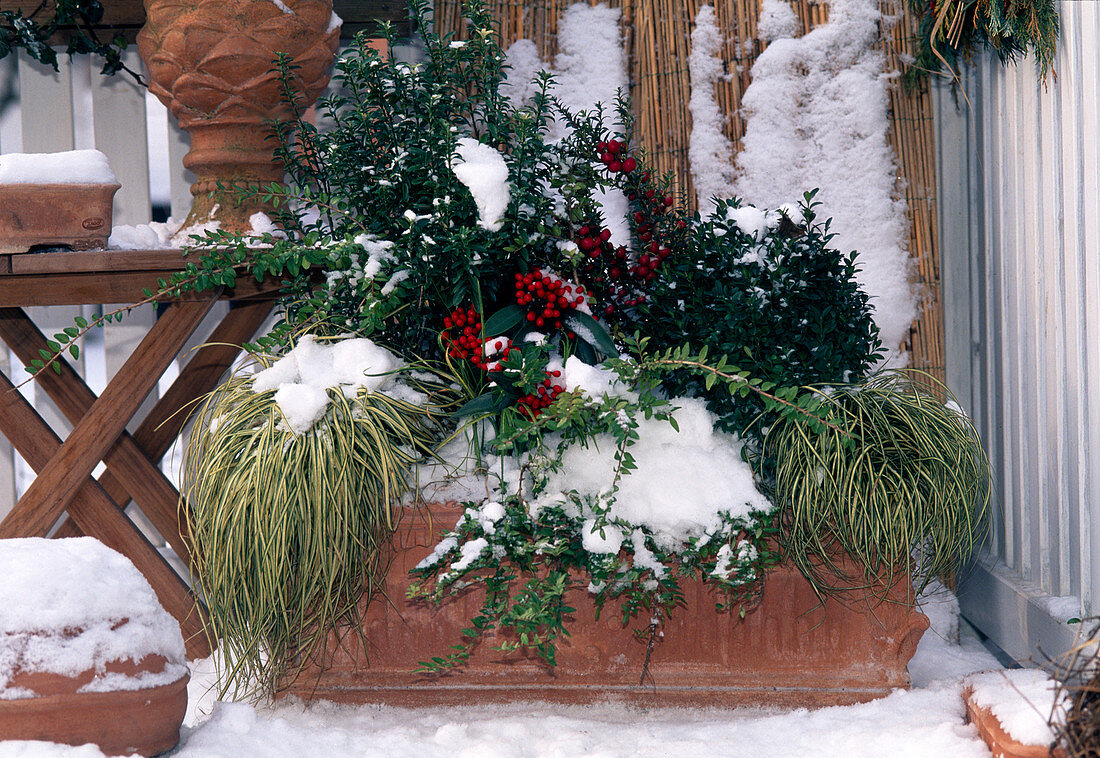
993	733
211	63
77	216
789	650
145	721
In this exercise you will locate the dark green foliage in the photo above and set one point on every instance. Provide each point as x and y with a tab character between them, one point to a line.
382	167
951	31
79	17
787	309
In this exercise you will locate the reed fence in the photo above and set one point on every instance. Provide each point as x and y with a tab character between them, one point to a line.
657	34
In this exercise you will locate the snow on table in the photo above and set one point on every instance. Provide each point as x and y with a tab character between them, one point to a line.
68	605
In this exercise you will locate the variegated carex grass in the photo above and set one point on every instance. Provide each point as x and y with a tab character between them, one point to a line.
288	529
899	482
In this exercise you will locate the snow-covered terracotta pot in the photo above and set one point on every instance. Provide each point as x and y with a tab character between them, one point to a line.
789	650
87	654
211	63
55	200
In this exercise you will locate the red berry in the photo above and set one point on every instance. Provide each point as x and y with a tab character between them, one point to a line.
607	158
614	167
614	146
668	201
629	165
605	235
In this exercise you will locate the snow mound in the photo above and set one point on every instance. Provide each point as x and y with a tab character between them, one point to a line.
683	480
68	605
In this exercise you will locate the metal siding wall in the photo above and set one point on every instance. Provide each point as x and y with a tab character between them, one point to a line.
1024	160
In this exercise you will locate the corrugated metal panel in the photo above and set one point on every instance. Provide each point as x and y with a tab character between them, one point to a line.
1020	223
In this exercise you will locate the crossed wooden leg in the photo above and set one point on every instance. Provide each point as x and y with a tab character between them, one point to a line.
99	433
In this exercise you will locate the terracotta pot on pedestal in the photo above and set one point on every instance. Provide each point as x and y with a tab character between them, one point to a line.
211	62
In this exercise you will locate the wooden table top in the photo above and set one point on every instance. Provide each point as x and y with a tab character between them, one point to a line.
83	277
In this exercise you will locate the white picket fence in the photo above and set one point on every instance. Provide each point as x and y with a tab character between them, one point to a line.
1019	165
74	109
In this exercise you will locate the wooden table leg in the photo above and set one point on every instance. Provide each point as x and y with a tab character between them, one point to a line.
58	481
165	421
97	514
140	477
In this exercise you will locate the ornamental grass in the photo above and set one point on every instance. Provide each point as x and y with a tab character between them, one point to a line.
896	481
288	529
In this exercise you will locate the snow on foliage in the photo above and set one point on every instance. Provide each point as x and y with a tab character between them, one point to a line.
590	68
483	170
817	116
302	377
683	480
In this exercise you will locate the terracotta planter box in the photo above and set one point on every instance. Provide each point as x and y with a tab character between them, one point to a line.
119	722
55	215
789	650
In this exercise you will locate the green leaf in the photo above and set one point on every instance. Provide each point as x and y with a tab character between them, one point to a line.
74	350
584	325
504	320
483	405
81	322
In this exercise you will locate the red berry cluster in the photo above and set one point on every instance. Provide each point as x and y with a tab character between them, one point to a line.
546	392
465	344
547	297
614	156
625	278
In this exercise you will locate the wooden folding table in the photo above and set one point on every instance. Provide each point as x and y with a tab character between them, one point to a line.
95	507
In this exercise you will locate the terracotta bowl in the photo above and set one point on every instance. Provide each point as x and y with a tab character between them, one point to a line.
119	722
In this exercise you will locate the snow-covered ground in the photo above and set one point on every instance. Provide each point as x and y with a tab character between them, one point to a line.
926	721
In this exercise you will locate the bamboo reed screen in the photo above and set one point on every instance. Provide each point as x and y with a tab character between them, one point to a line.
657	36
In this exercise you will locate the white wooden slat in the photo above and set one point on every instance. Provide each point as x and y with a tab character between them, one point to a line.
1076	347
1090	307
118	112
986	205
46	102
179	142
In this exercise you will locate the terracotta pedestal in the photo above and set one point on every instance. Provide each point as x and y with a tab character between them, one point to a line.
77	216
120	722
789	650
